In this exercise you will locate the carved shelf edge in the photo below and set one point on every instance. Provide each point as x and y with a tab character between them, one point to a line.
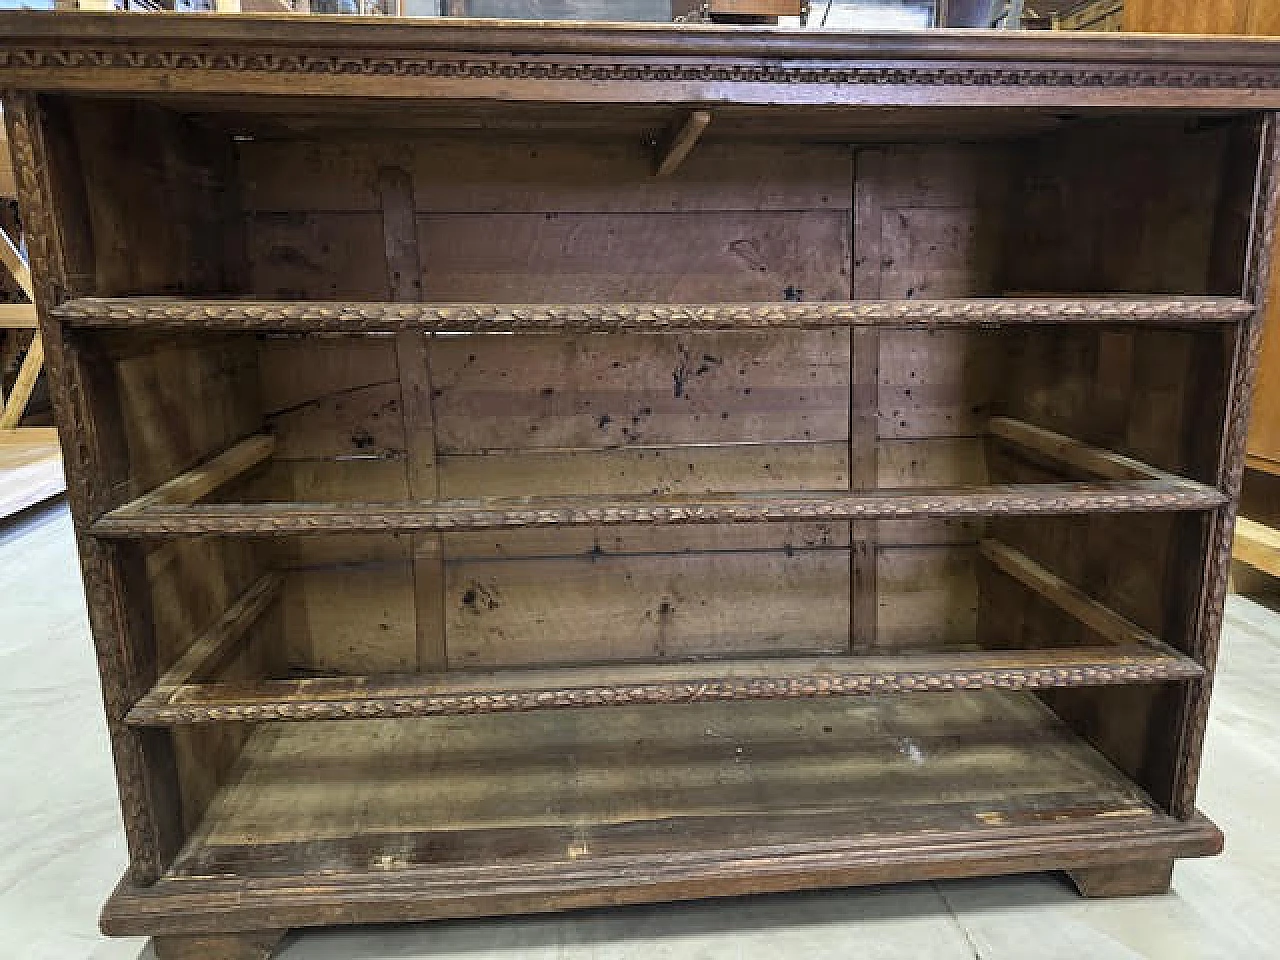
282	316
625	685
267	519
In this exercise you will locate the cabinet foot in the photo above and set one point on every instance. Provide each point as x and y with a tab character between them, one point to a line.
1142	878
226	946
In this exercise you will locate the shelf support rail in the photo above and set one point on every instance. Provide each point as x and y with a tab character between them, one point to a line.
1067	451
215	648
200	481
1070	599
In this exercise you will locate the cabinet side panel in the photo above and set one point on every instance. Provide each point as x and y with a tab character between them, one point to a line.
52	197
1260	280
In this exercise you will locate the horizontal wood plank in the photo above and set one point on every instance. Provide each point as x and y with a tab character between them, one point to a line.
543	172
1257	545
17	316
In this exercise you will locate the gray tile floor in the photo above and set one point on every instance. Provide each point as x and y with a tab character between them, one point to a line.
61	848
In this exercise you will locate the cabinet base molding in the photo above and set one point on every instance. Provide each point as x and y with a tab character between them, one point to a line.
1140	878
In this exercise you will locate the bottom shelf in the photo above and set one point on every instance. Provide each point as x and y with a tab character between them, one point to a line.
380	820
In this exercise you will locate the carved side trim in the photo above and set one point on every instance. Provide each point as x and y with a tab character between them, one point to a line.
604	317
108	619
1259	289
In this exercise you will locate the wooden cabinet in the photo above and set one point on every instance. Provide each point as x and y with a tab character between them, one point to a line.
523	468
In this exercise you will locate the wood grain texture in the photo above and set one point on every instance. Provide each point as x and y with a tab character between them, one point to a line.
198	482
681	143
1257	545
39	142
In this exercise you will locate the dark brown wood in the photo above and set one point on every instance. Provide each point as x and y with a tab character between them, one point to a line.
244	946
1141	879
395	389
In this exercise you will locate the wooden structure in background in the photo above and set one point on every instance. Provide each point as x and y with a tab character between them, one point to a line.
30	463
474	521
1234	17
1090	15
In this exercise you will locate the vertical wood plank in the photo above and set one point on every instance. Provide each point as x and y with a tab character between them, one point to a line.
404	276
400	234
864	380
1261	280
863	473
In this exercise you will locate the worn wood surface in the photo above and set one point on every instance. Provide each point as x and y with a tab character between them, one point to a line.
1142	878
775	774
902	70
256	946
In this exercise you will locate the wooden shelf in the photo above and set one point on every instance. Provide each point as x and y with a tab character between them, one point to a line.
316	316
508	691
634	802
186	694
280	519
1124	485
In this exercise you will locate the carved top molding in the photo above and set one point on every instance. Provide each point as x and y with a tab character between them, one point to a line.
80	51
581	318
